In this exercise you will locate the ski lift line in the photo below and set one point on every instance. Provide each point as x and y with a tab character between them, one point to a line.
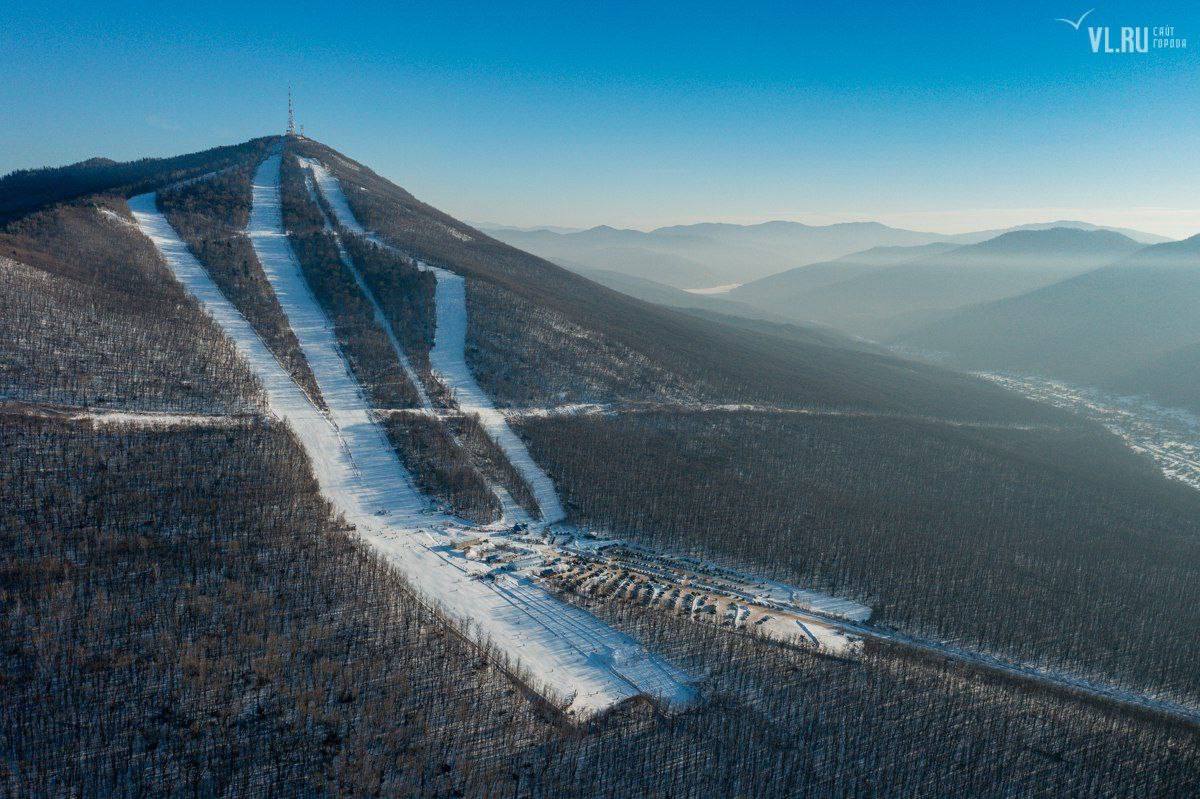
450	361
510	511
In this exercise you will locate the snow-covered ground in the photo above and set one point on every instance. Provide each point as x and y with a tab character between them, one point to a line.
110	214
448	356
123	418
145	419
448	361
511	510
380	317
368	449
577	660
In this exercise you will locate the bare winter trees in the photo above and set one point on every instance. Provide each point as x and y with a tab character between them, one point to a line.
212	629
89	317
180	611
1009	540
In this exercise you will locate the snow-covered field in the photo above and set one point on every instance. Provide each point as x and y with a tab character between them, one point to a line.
448	358
574	658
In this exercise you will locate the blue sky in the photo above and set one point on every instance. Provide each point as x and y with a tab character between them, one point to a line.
644	114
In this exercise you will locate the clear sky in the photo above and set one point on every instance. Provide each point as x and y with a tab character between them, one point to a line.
944	116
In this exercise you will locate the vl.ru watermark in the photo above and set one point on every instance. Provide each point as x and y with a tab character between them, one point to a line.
1128	38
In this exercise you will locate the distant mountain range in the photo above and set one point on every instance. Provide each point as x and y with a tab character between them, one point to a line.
1073	301
698	256
1139	236
881	293
662	294
1132	326
714	254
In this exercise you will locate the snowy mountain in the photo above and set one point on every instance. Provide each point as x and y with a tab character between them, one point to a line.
297	463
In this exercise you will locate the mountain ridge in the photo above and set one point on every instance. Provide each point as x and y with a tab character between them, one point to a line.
880	300
1101	328
957	513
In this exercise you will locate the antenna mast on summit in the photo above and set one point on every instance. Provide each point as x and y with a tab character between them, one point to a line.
291	128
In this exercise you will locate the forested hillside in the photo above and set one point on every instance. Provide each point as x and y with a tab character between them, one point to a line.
183	610
1051	546
237	639
953	529
81	285
30	189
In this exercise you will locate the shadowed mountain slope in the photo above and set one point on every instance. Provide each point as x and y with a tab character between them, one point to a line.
1130	326
699	356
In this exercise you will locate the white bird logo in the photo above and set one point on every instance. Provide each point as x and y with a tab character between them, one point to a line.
1075	23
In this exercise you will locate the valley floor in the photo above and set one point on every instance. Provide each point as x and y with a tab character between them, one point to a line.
1170	436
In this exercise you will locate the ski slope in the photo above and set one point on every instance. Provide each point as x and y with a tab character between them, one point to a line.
370	453
511	511
448	356
376	310
576	660
323	441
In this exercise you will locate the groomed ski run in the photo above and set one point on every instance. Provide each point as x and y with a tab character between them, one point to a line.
511	510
